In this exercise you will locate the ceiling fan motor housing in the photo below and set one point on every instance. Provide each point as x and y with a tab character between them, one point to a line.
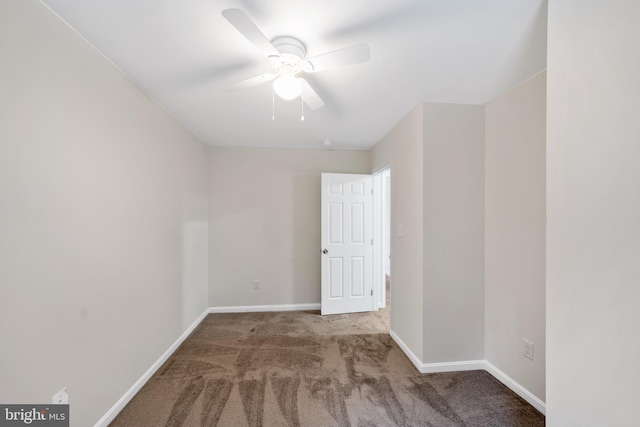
292	52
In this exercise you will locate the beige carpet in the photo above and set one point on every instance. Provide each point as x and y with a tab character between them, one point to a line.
303	369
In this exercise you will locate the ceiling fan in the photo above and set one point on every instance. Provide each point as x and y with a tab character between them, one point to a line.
288	61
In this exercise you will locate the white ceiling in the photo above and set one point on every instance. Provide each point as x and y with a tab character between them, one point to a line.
181	52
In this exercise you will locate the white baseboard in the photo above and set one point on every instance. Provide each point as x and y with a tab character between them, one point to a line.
135	388
471	365
428	368
412	357
463	365
262	308
517	388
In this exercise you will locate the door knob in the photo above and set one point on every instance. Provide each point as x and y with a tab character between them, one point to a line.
325	251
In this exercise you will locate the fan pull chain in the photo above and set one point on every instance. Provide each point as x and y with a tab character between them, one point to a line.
273	104
302	107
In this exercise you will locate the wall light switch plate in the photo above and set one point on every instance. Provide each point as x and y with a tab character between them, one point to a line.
527	349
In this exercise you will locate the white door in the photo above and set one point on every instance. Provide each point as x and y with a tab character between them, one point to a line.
347	243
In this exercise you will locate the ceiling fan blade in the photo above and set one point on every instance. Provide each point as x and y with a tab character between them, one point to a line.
253	81
310	96
247	28
338	58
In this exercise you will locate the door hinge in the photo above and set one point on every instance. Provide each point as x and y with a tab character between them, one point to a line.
371	292
372	191
371	242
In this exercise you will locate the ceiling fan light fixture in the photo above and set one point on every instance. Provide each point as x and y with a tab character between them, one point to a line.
288	87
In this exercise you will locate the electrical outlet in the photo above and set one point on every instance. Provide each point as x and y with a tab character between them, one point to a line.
256	285
527	349
61	397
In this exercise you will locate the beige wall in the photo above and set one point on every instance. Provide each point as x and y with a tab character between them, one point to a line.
515	232
436	155
593	214
402	149
103	220
265	222
453	195
381	153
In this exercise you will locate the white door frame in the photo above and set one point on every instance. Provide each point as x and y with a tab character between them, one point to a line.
379	217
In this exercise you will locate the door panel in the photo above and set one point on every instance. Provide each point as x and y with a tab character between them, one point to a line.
347	230
357	276
357	223
336	273
335	224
